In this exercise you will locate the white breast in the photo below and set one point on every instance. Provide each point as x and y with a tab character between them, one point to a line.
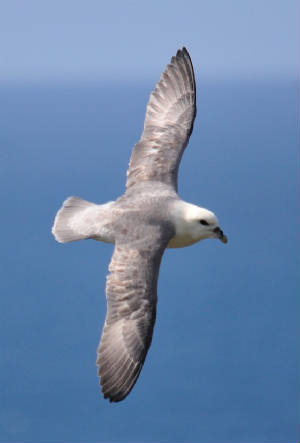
180	241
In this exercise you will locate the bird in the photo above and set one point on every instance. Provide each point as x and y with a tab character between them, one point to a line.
148	218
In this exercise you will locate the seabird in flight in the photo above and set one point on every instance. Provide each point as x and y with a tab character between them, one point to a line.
148	218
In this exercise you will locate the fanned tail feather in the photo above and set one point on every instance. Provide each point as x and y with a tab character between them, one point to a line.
68	224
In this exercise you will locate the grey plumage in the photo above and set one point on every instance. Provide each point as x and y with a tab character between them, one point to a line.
131	306
170	115
145	220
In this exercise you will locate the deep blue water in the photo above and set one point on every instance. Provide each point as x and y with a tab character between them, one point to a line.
224	362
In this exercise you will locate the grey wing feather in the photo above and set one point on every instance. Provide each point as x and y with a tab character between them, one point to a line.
131	292
170	115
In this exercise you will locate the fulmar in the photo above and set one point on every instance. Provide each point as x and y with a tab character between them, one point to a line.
148	218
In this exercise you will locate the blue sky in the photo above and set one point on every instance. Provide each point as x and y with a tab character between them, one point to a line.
75	40
224	363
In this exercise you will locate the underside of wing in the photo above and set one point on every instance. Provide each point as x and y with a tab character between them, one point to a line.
170	114
131	293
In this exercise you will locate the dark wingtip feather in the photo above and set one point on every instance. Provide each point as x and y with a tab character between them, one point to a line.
182	52
116	394
185	53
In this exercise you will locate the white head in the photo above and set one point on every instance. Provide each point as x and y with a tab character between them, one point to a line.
192	224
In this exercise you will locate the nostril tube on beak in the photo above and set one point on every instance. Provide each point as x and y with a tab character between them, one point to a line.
220	234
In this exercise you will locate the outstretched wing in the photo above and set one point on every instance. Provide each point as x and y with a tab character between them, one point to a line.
131	292
170	115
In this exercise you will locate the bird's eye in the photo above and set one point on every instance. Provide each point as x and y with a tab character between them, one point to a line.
204	222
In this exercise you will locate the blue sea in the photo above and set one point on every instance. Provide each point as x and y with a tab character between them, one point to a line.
224	362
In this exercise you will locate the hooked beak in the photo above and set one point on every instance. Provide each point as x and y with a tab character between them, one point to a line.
220	235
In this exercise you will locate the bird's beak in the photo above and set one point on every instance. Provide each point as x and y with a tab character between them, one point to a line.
220	235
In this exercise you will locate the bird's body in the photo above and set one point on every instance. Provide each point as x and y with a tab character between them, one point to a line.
148	218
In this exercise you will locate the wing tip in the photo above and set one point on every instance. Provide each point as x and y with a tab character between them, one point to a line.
116	389
184	56
183	52
115	396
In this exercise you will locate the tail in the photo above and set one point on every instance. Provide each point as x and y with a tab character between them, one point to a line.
72	220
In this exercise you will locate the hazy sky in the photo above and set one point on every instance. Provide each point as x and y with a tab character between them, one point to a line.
68	40
74	81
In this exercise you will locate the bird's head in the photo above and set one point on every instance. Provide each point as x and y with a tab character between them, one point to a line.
192	224
203	223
